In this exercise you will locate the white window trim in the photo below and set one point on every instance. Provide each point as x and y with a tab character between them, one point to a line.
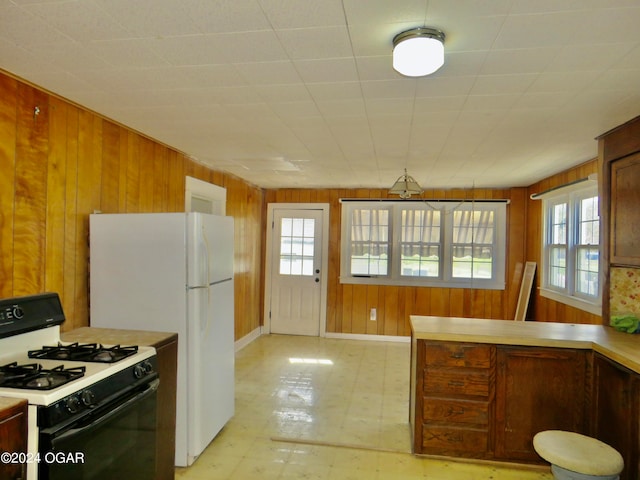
445	280
570	193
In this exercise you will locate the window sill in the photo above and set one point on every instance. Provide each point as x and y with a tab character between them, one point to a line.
408	282
595	309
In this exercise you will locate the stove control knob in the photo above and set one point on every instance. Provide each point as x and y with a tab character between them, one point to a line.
88	398
17	312
73	404
148	368
138	371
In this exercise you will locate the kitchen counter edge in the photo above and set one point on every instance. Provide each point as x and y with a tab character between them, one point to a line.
622	348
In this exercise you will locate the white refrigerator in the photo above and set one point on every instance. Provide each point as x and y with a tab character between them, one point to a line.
173	272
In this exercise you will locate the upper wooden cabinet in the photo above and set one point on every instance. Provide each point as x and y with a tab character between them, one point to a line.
625	214
618	158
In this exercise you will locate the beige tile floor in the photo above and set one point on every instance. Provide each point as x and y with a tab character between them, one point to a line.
326	409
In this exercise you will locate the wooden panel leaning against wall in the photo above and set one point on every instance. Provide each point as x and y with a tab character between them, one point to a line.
348	305
545	309
61	162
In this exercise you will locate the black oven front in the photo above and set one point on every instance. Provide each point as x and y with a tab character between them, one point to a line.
109	436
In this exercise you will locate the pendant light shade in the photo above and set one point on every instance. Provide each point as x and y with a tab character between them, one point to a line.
405	186
418	52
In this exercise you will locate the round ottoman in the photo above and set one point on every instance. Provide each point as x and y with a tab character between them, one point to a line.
577	457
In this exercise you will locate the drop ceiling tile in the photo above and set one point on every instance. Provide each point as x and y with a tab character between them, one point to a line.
572	58
81	21
613	26
342	108
25	29
269	73
388	89
377	68
502	84
527	60
315	43
283	93
525	31
327	70
302	13
150	18
377	13
218	16
126	53
212	76
471	8
335	91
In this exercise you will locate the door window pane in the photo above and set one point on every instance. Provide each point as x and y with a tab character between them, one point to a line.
297	246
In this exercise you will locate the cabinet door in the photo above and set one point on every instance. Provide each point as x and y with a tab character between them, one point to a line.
537	389
13	438
615	407
625	215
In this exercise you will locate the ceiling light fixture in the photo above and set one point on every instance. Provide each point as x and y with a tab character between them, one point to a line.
418	52
405	186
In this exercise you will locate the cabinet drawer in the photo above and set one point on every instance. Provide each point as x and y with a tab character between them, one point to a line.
444	410
454	440
452	382
469	355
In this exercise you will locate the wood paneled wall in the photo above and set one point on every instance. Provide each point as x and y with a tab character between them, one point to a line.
545	309
348	305
60	162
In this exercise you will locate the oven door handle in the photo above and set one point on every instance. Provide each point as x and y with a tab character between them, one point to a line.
151	389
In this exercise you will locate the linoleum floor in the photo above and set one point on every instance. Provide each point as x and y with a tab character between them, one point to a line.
326	409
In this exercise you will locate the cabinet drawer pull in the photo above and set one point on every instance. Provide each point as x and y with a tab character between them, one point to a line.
456	383
457	355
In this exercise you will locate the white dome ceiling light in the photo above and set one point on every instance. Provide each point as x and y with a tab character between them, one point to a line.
418	52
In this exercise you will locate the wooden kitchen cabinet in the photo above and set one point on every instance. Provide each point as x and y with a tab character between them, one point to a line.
538	389
625	215
616	405
454	405
487	401
167	353
13	437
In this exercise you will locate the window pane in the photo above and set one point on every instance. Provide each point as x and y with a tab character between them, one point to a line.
587	271
557	266
420	243
297	246
559	224
472	262
369	241
475	228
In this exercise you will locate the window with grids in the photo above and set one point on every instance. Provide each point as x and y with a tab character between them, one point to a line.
297	246
439	243
571	246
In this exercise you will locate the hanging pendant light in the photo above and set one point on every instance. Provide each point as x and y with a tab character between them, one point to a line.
405	186
418	52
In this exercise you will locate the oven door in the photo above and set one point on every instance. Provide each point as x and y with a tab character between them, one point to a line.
118	441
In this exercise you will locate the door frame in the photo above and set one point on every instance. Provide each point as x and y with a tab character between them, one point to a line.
324	208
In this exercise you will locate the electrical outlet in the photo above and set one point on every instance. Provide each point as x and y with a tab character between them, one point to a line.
372	315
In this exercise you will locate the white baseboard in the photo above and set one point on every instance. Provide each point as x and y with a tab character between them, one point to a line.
247	339
376	338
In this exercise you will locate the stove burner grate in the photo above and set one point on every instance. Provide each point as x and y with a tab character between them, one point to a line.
84	352
34	376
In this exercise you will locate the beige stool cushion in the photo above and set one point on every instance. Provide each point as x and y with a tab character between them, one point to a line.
578	453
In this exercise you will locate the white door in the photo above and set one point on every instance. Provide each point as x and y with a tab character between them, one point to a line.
297	277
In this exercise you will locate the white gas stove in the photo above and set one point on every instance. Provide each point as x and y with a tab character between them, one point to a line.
84	399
